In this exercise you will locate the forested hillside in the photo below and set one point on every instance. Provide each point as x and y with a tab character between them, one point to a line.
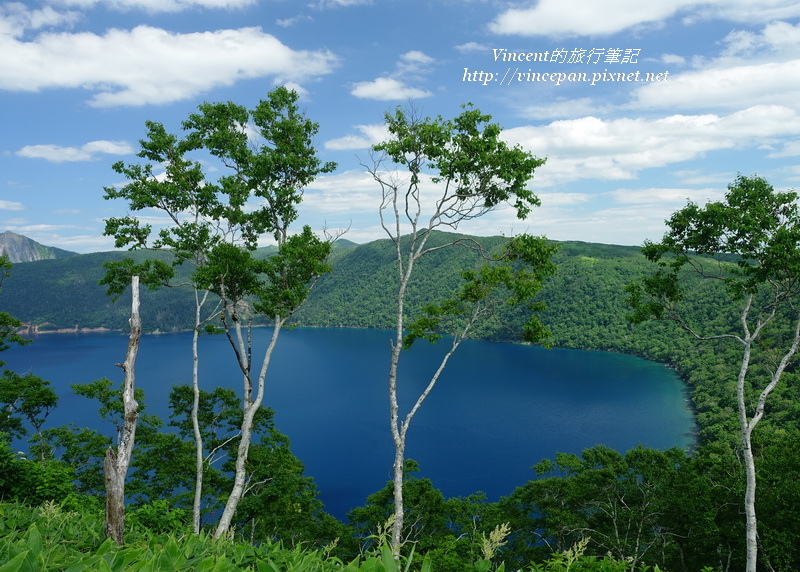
586	308
695	498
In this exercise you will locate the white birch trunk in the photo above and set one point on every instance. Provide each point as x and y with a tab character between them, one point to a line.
198	437
116	463
251	406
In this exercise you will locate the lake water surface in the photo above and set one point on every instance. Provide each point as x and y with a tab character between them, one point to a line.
498	409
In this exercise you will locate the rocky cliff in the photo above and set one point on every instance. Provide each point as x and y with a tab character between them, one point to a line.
20	248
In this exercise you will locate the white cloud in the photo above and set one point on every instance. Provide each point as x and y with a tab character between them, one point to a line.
87	152
411	66
353	191
471	47
696	177
323	4
559	18
725	87
289	22
593	148
789	149
673	59
563	199
16	18
562	108
387	89
11	206
414	61
159	5
148	65
758	67
369	136
666	195
582	17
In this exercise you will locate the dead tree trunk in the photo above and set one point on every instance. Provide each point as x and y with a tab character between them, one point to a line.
116	462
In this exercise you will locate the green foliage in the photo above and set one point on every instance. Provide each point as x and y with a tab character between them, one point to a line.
514	277
159	517
290	273
8	324
275	168
614	499
53	538
24	398
152	273
467	153
81	449
748	243
32	482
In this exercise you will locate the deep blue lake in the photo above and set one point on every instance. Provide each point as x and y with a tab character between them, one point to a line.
497	410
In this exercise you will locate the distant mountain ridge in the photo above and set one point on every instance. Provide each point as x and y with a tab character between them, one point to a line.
64	294
20	248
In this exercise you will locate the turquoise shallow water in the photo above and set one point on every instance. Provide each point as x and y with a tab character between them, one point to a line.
497	410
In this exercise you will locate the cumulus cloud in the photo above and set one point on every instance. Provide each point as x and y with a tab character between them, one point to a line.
352	191
149	65
618	149
411	66
387	89
369	136
758	66
87	152
725	87
560	18
16	18
753	66
414	61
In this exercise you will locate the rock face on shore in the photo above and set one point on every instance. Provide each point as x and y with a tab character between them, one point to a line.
20	248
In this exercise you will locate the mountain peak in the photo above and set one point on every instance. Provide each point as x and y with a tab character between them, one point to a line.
20	248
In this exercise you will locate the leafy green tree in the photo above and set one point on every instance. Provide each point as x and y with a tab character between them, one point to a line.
617	501
192	205
273	169
472	172
81	449
32	482
8	324
427	523
269	158
748	242
24	398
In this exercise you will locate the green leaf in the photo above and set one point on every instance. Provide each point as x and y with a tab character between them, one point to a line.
16	563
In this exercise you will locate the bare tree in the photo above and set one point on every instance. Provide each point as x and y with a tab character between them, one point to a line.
116	463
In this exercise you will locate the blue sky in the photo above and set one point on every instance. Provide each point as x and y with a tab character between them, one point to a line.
718	93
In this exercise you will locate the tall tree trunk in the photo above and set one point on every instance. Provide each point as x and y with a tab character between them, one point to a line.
399	512
745	429
746	432
116	463
398	431
251	406
198	437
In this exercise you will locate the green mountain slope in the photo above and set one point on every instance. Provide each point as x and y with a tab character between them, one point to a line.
586	308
